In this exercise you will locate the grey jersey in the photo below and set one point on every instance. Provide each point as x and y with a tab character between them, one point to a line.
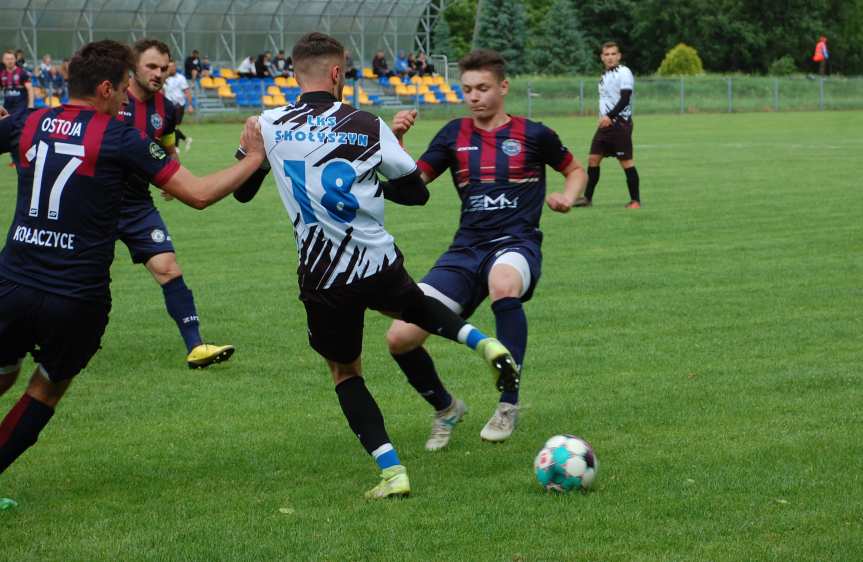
325	156
612	82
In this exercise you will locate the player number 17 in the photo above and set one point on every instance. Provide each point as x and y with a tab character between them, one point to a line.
40	153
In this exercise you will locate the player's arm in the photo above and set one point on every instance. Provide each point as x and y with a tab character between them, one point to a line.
250	187
188	93
625	96
405	185
561	159
574	183
31	95
201	192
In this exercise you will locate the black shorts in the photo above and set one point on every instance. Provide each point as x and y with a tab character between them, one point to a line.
335	316
615	140
143	231
61	333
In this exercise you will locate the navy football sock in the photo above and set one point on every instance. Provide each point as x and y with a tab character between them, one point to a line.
632	182
20	428
592	180
364	417
419	369
511	325
181	306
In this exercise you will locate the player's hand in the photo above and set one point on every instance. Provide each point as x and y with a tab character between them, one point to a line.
558	202
403	121
190	108
252	141
166	196
605	121
3	113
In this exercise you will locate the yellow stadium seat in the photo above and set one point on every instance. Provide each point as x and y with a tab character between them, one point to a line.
207	82
268	101
228	74
368	73
53	101
225	92
292	82
281	82
445	88
427	80
416	79
279	100
219	82
424	89
364	100
348	91
274	91
438	79
394	80
430	98
452	98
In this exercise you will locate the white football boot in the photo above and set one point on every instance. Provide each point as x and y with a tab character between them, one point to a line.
502	423
443	424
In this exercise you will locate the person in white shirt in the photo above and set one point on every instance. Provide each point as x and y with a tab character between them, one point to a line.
614	135
247	67
177	90
326	157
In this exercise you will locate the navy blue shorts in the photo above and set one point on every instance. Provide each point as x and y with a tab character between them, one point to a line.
61	333
461	273
143	231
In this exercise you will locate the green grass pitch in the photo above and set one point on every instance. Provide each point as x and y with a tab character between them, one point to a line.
708	345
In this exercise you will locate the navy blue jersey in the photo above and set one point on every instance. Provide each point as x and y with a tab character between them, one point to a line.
157	118
14	90
499	175
73	164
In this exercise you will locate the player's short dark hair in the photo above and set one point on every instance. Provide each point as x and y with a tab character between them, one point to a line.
315	45
608	45
143	45
97	62
484	59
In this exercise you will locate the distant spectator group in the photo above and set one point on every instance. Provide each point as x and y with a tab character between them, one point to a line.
265	66
405	66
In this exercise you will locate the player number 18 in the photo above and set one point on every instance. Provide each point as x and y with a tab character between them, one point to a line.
337	178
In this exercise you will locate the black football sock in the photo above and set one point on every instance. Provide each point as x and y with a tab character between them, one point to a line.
362	413
592	180
632	183
419	369
435	318
181	306
511	326
20	428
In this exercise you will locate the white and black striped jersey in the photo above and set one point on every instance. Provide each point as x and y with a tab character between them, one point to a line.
326	156
612	82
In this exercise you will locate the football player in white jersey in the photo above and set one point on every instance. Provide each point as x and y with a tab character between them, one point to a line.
326	157
614	135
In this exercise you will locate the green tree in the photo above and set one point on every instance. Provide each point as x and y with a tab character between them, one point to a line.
559	45
441	38
502	26
460	16
682	60
611	20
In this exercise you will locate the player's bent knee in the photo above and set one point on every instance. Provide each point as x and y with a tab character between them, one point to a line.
594	160
403	337
164	267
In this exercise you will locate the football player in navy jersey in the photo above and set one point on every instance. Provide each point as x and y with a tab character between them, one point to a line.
17	88
497	162
142	229
73	162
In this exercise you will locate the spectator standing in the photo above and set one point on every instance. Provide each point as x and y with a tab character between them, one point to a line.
44	73
192	65
822	55
179	93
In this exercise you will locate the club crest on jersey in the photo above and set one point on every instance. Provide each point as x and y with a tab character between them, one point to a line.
158	236
157	152
511	147
156	121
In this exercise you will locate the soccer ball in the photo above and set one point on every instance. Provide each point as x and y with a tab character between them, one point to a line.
565	463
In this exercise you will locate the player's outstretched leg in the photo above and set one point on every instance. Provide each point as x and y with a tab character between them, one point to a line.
21	427
181	307
434	317
405	345
367	422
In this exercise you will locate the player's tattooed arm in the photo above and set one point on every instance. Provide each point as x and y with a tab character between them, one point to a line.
573	185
